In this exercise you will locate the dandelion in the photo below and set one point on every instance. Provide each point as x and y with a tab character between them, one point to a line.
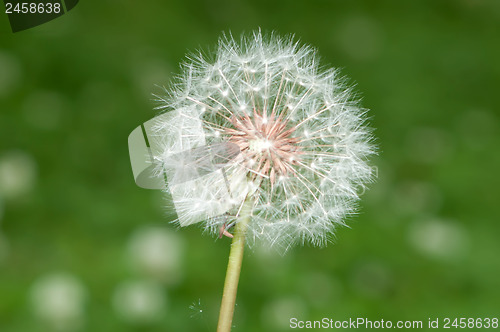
302	139
58	299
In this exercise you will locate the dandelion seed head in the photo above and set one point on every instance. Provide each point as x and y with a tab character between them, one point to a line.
302	136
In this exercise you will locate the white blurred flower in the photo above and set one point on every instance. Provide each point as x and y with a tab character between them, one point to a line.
141	301
301	134
59	299
441	239
17	174
157	252
277	314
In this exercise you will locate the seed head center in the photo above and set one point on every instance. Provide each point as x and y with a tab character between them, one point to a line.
260	145
267	143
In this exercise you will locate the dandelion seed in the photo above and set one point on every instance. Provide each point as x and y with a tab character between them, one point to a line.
197	309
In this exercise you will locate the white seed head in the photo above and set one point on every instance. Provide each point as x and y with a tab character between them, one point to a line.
302	137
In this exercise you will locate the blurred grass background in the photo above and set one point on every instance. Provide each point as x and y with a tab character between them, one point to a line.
83	249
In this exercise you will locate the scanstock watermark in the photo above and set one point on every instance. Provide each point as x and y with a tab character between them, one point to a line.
357	323
26	14
429	323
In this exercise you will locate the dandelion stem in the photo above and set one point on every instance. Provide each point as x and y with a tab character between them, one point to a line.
234	267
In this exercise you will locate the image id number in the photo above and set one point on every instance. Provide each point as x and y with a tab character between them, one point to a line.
33	8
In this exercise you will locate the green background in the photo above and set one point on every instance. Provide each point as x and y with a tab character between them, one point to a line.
72	222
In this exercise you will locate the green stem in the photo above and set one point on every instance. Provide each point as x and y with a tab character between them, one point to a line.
234	268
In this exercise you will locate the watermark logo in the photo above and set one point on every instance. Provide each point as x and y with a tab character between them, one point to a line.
26	14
